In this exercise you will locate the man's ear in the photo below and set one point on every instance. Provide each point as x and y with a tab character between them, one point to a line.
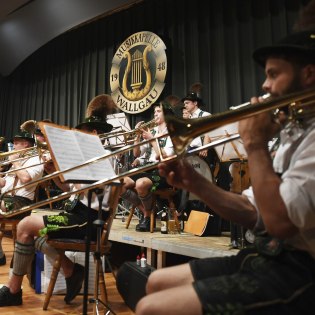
309	75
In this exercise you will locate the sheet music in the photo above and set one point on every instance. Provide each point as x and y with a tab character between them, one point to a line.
119	122
71	148
230	150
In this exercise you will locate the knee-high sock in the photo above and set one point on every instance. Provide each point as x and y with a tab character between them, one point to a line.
131	196
147	201
42	246
23	256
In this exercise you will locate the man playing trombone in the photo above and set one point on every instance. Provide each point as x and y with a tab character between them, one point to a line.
277	274
24	169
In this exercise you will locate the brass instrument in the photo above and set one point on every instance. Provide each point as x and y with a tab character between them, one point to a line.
182	131
129	136
39	146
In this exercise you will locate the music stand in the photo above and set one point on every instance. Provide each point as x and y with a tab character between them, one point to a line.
99	224
84	146
232	151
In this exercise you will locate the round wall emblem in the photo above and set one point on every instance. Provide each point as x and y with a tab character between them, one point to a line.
138	72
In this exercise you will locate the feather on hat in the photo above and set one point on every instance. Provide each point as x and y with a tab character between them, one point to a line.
27	130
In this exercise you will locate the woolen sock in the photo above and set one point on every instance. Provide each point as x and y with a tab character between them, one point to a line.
147	201
23	256
131	196
42	246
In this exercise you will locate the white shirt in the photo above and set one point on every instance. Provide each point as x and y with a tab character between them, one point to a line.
296	158
168	147
35	173
197	142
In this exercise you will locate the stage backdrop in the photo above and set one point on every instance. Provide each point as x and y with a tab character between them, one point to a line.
207	41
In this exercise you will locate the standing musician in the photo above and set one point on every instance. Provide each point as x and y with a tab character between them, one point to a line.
192	103
24	196
32	230
277	274
138	189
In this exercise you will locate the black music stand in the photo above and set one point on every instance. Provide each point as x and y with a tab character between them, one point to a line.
231	152
99	223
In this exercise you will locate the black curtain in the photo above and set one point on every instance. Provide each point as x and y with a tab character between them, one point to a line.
207	41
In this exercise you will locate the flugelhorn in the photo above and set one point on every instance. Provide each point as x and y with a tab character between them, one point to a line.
39	146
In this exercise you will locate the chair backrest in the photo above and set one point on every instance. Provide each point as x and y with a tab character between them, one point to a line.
113	203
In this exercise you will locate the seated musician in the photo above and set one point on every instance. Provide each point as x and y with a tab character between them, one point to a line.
277	274
138	189
31	230
13	200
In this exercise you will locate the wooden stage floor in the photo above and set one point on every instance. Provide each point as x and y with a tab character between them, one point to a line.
158	245
33	303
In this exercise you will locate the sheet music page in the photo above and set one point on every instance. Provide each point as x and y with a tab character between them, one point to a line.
92	147
119	122
64	147
231	150
72	148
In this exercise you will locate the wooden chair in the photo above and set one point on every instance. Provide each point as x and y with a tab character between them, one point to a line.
164	193
13	222
62	245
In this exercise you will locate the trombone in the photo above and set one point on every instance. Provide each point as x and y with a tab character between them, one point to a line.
183	131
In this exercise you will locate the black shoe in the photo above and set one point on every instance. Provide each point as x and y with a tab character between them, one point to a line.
74	283
3	260
144	225
9	299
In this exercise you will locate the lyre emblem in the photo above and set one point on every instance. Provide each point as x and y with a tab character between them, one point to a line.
135	64
138	72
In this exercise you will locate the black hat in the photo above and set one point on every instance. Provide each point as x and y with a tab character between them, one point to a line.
96	112
192	96
195	94
298	43
24	135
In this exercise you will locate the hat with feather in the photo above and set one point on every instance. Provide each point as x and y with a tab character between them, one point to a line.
27	130
98	108
195	94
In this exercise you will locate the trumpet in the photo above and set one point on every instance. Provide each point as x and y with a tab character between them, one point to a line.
183	131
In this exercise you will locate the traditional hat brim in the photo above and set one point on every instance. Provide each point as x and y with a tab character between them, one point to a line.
303	42
104	126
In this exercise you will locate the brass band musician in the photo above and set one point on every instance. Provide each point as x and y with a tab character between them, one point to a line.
138	189
24	196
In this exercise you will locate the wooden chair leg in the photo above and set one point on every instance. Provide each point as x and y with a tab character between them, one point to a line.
2	228
152	219
131	212
52	282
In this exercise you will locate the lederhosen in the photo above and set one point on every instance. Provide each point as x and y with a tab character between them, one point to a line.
13	202
73	223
